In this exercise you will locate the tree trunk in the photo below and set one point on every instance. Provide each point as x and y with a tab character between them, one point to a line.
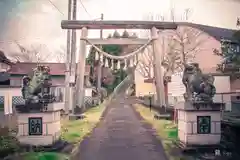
183	55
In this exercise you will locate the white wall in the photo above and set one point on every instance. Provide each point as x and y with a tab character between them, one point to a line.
8	93
88	92
222	84
176	89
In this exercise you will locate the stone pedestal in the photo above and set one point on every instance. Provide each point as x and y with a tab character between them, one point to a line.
199	124
39	128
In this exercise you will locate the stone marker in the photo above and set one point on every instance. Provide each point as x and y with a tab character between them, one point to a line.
39	128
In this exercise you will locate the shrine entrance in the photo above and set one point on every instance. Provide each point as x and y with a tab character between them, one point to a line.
129	59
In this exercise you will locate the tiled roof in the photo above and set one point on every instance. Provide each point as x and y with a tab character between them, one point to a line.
23	68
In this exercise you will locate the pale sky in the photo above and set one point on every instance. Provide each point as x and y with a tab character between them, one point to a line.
39	22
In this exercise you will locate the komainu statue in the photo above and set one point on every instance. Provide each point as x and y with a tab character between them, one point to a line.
199	86
36	88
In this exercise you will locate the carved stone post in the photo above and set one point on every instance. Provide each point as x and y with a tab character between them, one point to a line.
158	72
80	92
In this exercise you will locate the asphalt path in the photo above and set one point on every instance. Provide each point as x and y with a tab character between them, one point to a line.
121	135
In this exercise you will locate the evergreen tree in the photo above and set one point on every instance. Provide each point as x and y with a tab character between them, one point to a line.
230	52
116	50
237	36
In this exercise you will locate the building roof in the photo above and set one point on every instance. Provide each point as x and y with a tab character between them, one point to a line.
216	32
23	68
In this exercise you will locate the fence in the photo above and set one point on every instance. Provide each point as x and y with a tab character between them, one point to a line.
123	86
121	89
12	96
230	99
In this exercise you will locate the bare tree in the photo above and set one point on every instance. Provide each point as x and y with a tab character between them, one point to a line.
35	53
179	47
145	63
185	43
61	55
171	61
187	13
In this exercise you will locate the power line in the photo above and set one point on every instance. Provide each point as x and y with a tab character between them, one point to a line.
85	9
55	7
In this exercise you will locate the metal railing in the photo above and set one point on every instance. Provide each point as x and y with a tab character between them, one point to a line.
120	90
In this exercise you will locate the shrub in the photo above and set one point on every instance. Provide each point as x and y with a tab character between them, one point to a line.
8	143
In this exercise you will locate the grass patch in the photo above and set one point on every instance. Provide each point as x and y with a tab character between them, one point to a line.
75	130
166	129
44	156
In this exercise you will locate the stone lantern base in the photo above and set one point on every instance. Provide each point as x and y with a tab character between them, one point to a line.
40	128
199	124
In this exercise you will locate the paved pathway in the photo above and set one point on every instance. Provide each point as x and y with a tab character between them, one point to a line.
121	136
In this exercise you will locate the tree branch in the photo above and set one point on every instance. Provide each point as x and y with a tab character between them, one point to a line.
32	54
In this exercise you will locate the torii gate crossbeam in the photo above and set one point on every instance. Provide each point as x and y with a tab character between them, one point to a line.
74	24
152	25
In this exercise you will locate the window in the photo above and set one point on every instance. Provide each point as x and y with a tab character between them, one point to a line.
203	124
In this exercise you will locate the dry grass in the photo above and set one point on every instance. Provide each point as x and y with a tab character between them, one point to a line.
162	128
75	130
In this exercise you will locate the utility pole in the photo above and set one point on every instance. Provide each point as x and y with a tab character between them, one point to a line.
68	62
99	68
73	58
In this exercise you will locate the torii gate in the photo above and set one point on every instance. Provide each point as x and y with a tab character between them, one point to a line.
152	25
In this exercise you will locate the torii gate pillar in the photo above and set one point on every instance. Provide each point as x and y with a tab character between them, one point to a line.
158	72
80	92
